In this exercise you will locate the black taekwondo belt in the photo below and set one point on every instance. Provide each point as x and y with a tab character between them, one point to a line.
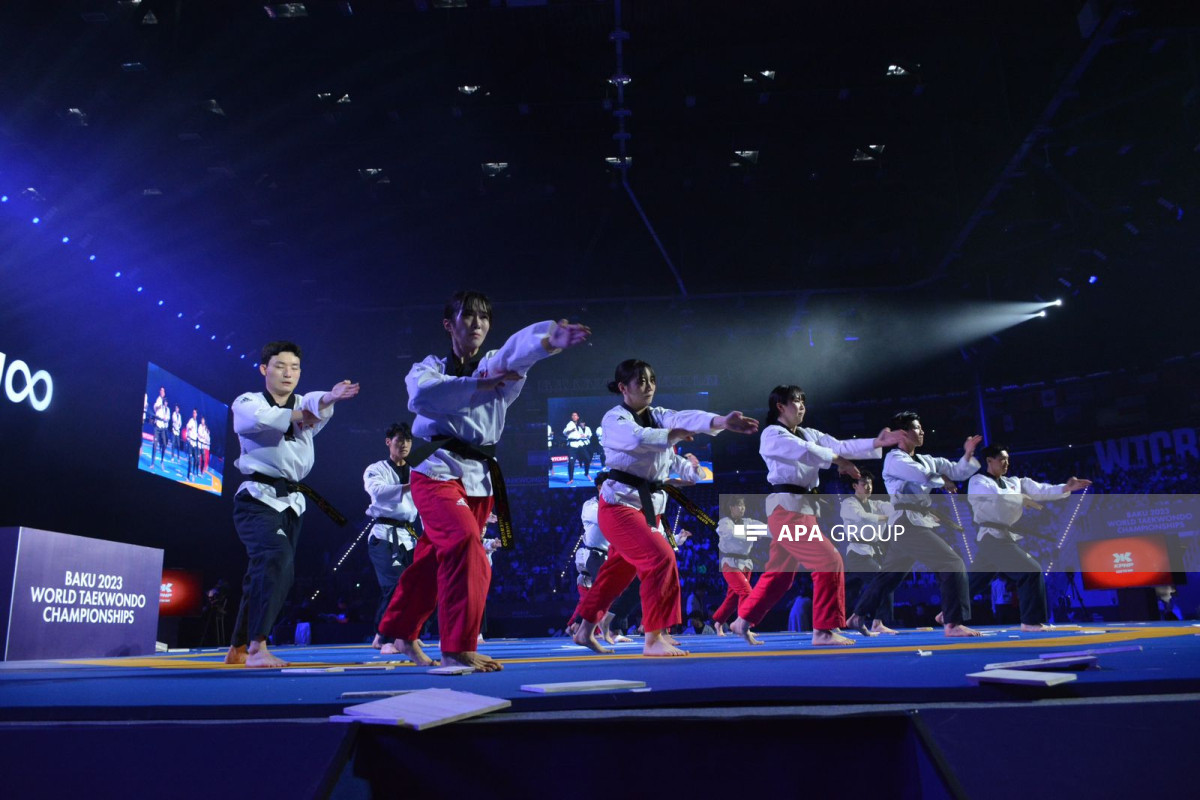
647	488
396	523
392	524
1000	526
792	488
930	511
476	452
795	488
284	487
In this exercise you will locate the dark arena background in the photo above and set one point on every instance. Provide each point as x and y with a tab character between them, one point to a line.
984	211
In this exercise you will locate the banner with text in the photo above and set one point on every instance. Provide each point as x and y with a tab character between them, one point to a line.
71	596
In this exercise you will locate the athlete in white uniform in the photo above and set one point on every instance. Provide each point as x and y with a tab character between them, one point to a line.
392	520
275	429
910	478
864	555
461	401
997	502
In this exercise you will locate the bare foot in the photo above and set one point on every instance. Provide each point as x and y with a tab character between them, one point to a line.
621	639
668	638
938	619
742	628
605	627
859	624
586	636
1034	628
960	630
477	661
720	628
259	656
389	649
411	650
377	643
658	646
879	627
829	637
479	639
236	655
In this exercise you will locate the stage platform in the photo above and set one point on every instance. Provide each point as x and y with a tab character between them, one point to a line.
901	703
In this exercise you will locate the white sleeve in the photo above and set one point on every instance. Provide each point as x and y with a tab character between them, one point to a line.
691	421
522	350
781	445
380	488
311	403
850	448
252	414
958	470
854	513
688	472
724	531
590	514
432	391
623	434
982	494
1044	491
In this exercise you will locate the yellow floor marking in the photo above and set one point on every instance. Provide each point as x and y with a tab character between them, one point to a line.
1077	640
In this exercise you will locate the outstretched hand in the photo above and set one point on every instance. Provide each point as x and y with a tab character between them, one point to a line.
970	444
890	438
344	390
677	435
846	467
737	422
1076	484
568	334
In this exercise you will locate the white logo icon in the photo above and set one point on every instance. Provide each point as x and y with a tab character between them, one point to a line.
752	532
1120	559
20	383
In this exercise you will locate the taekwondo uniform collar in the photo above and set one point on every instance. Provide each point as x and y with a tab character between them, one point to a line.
460	368
291	403
643	418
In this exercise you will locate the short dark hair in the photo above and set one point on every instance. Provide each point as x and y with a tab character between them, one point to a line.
730	501
991	451
275	348
903	420
782	394
627	371
864	475
472	301
601	477
401	429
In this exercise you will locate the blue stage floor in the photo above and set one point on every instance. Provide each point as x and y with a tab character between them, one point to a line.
785	670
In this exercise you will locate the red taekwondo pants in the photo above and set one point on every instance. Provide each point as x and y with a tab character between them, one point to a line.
739	589
450	570
818	555
634	549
